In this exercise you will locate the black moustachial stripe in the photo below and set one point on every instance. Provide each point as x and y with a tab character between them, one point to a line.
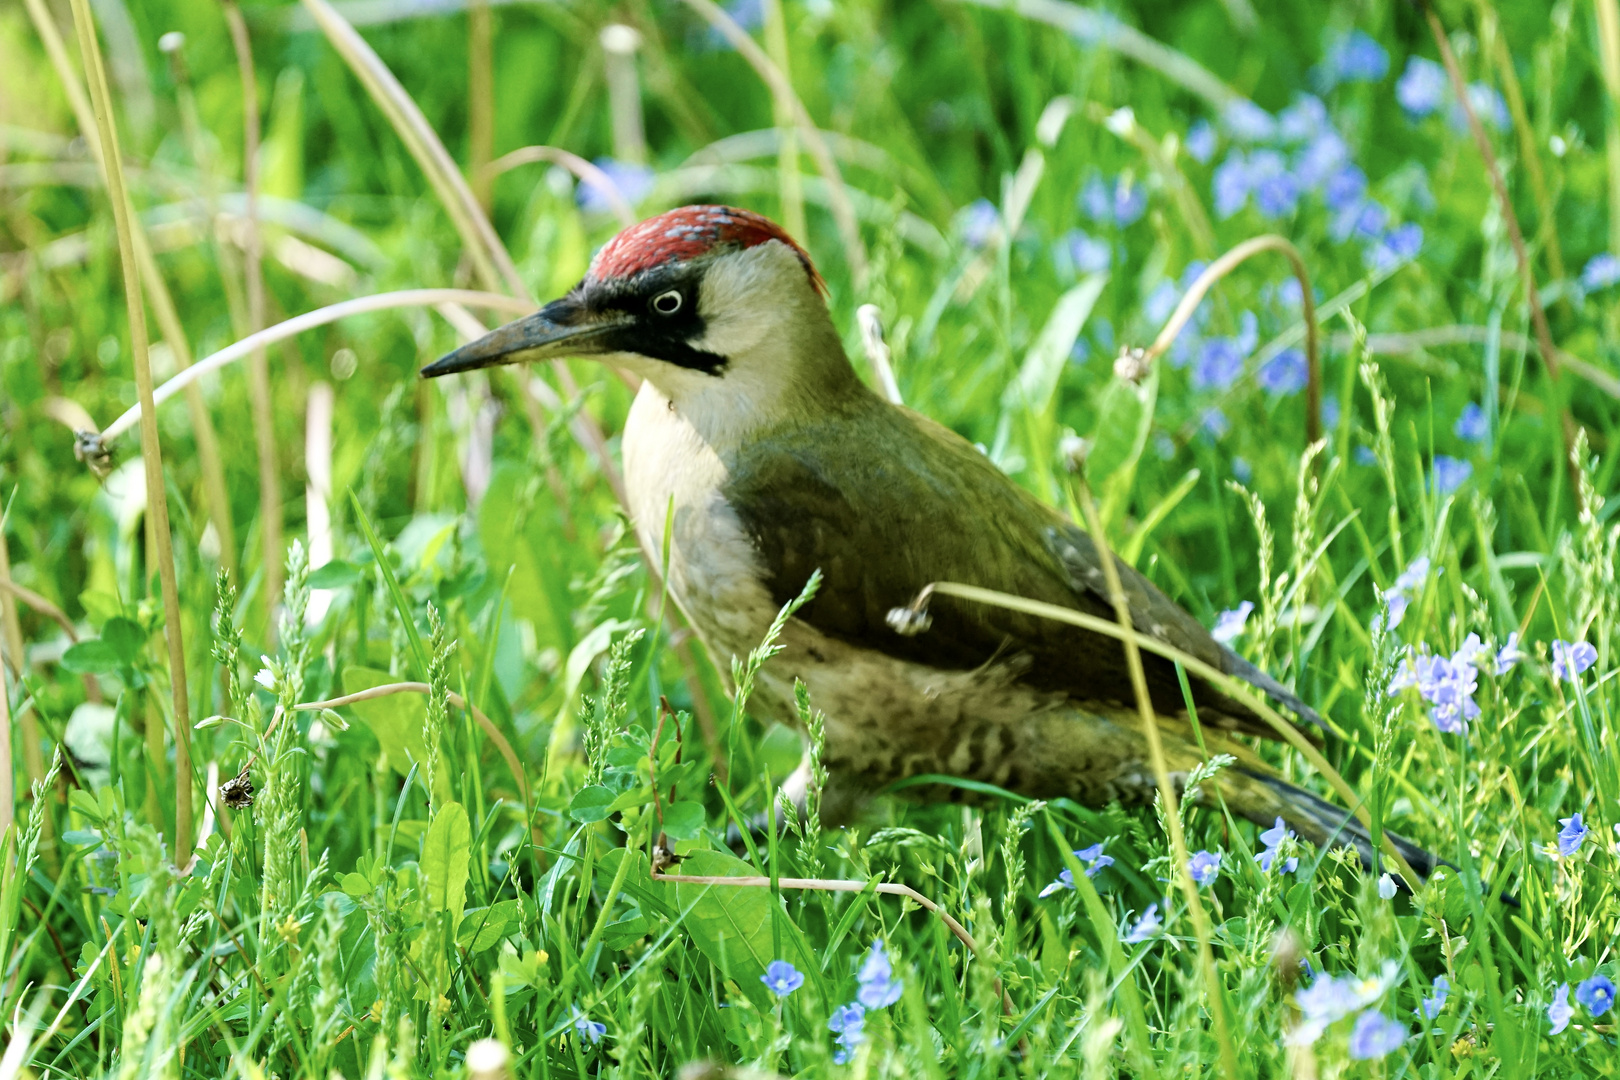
670	347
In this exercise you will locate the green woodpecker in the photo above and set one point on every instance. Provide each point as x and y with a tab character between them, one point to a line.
753	427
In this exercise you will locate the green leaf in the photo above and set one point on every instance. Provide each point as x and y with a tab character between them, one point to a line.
355	885
1122	419
1043	365
125	638
396	720
336	574
684	819
445	852
731	926
401	605
484	927
93	657
590	804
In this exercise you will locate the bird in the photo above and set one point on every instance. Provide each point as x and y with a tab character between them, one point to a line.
755	443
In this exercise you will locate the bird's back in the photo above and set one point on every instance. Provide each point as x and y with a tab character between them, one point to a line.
885	501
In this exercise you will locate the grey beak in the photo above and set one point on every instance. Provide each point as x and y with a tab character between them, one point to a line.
558	329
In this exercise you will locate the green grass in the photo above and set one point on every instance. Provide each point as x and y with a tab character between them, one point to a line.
396	892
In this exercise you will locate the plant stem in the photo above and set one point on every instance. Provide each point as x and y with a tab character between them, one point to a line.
157	498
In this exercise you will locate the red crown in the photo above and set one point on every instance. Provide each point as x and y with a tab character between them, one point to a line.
686	233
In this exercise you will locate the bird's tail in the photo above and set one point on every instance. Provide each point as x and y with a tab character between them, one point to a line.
1262	799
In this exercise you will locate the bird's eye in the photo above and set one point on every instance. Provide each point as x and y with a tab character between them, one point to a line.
667	303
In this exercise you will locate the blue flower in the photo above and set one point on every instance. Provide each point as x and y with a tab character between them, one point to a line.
1433	1005
1509	654
847	1018
979	223
749	14
1364	455
1399	245
1448	474
1231	184
847	1022
1201	141
1570	660
1285	374
1160	302
1130	202
1386	887
1399	595
1330	411
1365	219
1214	423
1276	195
1328	1000
1087	254
1487	105
1358	58
632	182
1097	199
1421	89
1094	859
1597	994
1415	576
1600	272
1273	838
1229	624
782	978
1324	1002
1242	470
1204	867
1248	122
1344	188
1447	684
1472	424
1560	1012
1290	294
879	988
588	1028
1375	1035
1302	120
1322	157
1572	835
1219	364
1276	191
1146	927
1095	862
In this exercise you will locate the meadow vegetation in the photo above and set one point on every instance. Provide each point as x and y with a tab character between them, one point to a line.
222	859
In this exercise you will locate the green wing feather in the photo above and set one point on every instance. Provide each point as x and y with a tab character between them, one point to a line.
884	501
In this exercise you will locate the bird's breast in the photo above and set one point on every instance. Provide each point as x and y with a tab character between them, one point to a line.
675	479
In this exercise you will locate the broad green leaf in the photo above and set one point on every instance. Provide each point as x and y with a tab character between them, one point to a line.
730	925
590	803
1043	365
91	657
483	927
445	852
396	720
683	820
1124	419
1122	414
125	638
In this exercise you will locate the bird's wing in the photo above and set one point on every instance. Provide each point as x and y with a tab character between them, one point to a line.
884	502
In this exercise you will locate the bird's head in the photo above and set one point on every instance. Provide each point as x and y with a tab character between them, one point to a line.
711	304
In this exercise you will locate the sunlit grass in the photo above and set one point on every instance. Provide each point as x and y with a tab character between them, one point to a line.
447	736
